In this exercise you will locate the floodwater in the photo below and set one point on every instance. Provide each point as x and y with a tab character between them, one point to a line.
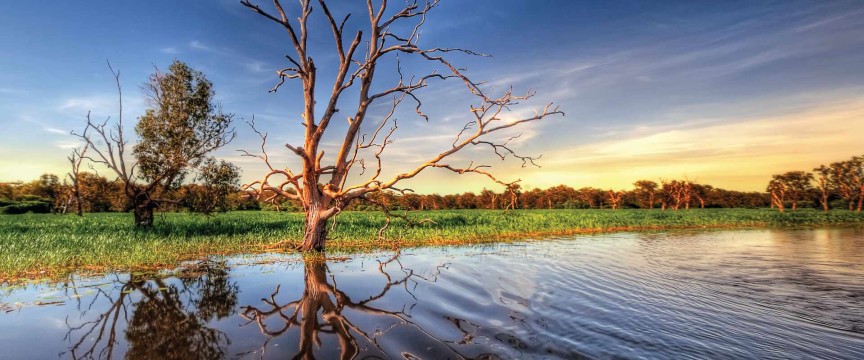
698	295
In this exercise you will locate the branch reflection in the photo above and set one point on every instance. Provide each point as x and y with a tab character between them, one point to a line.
332	324
163	318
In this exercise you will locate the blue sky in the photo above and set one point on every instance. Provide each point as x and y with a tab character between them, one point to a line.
725	93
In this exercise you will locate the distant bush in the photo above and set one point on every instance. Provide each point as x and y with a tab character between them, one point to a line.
5	202
24	207
31	198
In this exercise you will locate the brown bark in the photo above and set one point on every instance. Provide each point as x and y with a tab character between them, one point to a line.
778	200
79	207
823	187
314	233
615	198
144	215
860	198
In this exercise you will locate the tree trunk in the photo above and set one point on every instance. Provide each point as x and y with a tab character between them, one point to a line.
778	200
314	233
824	201
79	207
144	215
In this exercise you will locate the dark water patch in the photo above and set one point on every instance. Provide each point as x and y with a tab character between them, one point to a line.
686	295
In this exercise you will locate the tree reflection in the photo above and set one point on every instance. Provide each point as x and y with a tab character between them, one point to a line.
164	319
323	310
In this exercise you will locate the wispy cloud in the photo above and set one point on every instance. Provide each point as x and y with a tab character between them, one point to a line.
169	50
198	45
55	130
95	103
67	144
10	91
255	66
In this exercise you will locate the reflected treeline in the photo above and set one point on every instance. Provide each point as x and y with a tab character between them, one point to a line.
332	324
158	317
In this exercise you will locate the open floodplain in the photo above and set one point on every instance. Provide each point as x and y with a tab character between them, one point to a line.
697	294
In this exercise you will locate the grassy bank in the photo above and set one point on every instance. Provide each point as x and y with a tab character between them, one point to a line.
43	245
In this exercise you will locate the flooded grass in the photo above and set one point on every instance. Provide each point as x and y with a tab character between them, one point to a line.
44	246
689	294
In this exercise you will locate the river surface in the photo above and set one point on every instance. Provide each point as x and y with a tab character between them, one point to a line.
795	294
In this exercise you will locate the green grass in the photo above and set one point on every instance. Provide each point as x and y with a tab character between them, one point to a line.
42	245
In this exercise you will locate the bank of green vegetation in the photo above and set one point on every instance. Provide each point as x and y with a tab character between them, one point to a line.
46	245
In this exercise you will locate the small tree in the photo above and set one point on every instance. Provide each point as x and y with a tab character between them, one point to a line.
615	198
846	178
321	185
75	159
701	193
176	133
675	194
793	186
777	189
799	186
646	190
823	176
217	181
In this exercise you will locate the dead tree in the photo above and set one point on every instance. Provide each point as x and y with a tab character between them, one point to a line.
112	154
615	198
321	184
513	191
75	159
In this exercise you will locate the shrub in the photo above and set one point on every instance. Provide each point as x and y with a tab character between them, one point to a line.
24	207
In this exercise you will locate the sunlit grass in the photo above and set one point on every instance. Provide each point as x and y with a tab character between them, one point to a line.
36	245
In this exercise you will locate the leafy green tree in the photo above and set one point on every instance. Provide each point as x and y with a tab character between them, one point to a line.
182	125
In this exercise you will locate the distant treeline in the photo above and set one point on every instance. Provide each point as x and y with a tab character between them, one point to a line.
98	194
838	185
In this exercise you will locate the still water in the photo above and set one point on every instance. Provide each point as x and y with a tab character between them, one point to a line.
698	295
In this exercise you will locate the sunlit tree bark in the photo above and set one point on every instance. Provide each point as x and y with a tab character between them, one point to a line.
321	184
